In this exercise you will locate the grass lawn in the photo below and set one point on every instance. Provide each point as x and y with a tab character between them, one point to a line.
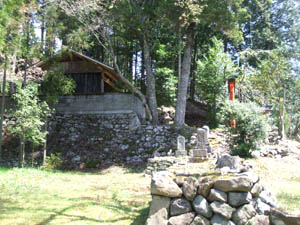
112	196
282	178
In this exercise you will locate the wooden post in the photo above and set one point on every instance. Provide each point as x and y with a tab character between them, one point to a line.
231	88
102	84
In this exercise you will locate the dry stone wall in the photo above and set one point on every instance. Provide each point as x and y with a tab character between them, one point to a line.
235	199
90	140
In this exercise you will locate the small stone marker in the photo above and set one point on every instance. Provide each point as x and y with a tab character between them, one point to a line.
200	152
207	129
180	147
180	143
201	142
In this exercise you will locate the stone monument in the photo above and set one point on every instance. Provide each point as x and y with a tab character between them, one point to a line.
180	147
206	135
200	152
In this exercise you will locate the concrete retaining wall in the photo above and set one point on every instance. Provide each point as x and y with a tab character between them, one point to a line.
110	103
101	104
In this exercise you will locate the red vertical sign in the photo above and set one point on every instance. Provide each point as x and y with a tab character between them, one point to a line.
232	97
231	90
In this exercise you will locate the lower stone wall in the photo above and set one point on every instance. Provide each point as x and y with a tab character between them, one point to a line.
164	163
235	199
91	140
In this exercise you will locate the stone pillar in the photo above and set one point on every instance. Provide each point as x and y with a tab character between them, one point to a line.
201	147
180	147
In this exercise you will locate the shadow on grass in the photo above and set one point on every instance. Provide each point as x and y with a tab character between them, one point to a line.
133	211
129	167
8	207
53	214
136	213
5	169
62	212
142	217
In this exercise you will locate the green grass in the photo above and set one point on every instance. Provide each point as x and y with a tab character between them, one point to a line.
282	178
289	201
113	196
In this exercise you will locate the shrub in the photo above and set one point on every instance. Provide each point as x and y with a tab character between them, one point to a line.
54	161
252	126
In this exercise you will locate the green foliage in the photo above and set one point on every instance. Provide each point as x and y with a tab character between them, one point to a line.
294	109
166	90
272	83
252	126
166	79
211	75
31	114
10	18
54	161
56	84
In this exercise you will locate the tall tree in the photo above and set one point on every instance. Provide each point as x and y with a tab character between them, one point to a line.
96	17
10	19
137	16
218	15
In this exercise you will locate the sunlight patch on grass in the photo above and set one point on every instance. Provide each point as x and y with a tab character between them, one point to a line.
33	196
282	178
289	201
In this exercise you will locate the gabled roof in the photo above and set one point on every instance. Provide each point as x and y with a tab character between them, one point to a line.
108	73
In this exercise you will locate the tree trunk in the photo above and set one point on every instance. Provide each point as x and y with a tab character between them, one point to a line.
282	127
281	115
45	144
135	66
179	53
3	104
151	93
32	157
193	71
184	78
25	74
22	152
142	72
42	35
132	87
14	63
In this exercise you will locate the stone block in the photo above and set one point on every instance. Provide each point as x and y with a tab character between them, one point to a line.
217	195
180	153
180	206
163	185
281	218
237	199
243	214
158	213
199	153
222	209
190	187
200	220
184	219
202	207
233	184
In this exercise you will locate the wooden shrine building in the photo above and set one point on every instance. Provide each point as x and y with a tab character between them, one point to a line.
98	89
